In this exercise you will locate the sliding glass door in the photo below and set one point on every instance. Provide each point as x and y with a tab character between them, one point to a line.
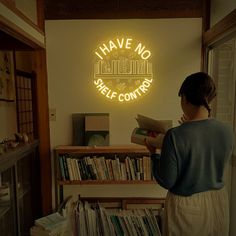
222	67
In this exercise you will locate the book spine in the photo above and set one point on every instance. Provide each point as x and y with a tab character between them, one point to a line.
99	168
131	167
94	168
90	168
117	163
69	168
128	174
104	168
82	171
77	169
145	168
141	168
114	169
62	168
65	167
74	170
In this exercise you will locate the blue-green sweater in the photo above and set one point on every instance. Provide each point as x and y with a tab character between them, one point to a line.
193	157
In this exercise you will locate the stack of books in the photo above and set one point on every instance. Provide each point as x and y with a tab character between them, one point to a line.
101	168
98	221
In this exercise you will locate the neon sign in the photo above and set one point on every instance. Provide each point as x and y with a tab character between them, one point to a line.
122	71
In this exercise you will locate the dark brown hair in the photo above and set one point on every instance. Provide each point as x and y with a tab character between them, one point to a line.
199	89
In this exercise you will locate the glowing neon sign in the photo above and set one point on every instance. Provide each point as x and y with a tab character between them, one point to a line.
122	71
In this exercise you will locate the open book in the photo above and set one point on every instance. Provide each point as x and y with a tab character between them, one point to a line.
151	130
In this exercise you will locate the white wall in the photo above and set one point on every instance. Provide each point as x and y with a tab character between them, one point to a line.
24	61
70	45
8	116
70	56
29	8
220	9
7	120
21	25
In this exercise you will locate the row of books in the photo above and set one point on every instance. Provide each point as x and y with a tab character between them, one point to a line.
94	220
101	168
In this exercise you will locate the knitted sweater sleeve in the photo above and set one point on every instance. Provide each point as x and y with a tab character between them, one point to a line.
164	165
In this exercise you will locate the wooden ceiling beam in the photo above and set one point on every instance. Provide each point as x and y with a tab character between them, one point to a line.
225	27
114	14
10	43
122	9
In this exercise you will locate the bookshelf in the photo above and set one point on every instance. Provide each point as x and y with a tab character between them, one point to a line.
118	153
19	189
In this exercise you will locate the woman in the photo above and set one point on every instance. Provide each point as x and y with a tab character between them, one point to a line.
191	165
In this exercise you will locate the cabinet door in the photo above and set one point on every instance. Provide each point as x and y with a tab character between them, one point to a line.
24	193
7	203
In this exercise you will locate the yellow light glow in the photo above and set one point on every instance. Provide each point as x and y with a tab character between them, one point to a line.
123	43
122	72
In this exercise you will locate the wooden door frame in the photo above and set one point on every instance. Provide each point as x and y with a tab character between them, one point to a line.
220	31
40	68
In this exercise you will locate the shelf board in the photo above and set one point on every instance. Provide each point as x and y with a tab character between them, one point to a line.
91	182
102	149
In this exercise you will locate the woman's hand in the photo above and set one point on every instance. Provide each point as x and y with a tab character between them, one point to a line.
150	148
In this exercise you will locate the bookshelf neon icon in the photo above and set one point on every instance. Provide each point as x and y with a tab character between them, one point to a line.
122	70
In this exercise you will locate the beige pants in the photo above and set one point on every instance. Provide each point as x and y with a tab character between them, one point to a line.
202	214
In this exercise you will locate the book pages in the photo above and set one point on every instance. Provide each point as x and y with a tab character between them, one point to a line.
160	126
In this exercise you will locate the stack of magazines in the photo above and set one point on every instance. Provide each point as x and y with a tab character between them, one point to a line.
52	225
57	223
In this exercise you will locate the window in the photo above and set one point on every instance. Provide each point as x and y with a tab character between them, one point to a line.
25	103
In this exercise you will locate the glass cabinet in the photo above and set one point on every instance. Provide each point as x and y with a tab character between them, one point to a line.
222	61
7	202
19	190
221	58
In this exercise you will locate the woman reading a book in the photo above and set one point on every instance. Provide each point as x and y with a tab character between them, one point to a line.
191	165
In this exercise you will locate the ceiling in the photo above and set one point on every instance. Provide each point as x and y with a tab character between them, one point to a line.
122	9
108	9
